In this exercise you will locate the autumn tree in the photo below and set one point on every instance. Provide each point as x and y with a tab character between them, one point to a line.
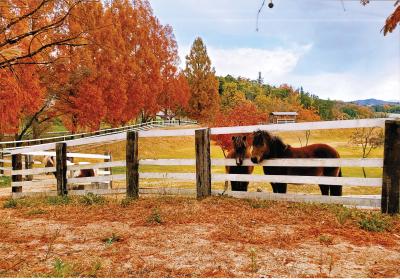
242	114
21	99
369	139
126	65
204	101
31	30
174	100
392	20
231	96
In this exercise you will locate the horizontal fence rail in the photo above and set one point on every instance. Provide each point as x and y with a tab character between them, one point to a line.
93	138
389	182
72	155
302	126
353	162
319	125
141	126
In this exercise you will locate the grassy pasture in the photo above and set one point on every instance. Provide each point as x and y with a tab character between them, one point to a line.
184	148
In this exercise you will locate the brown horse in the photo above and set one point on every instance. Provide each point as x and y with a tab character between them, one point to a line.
239	152
266	146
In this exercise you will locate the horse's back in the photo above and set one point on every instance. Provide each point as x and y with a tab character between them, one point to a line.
317	150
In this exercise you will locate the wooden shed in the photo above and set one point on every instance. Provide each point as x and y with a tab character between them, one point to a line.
280	117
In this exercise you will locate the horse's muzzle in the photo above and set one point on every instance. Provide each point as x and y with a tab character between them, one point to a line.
239	161
254	160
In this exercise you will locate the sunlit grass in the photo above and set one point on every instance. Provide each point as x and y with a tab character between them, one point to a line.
184	147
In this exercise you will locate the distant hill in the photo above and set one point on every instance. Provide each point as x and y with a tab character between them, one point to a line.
374	102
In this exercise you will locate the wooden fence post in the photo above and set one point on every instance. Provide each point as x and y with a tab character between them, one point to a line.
61	168
391	168
132	164
16	162
203	163
28	165
1	162
109	169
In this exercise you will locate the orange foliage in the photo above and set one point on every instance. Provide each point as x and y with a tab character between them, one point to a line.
21	94
393	20
241	115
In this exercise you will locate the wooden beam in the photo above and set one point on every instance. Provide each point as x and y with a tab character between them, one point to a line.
16	162
203	163
391	168
1	163
28	165
108	154
132	164
61	168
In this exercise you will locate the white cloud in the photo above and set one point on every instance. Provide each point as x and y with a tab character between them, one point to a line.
247	62
277	67
348	86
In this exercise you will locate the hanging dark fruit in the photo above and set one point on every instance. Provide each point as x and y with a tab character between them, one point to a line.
271	5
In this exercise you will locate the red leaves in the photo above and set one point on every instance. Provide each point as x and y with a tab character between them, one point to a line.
21	94
242	114
393	20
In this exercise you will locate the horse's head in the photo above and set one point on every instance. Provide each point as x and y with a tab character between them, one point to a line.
240	147
266	146
261	146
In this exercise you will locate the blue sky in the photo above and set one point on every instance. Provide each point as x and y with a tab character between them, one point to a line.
332	53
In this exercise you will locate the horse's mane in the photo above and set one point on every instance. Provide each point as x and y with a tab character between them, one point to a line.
260	136
277	146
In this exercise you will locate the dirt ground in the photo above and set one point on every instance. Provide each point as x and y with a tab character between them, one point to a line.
183	237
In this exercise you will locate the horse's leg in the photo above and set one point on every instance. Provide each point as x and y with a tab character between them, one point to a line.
324	189
335	190
282	188
242	186
245	186
274	187
235	185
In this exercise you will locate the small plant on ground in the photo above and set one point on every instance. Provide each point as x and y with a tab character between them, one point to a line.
61	269
253	260
325	239
343	214
11	203
374	222
259	203
155	217
110	240
91	199
59	200
36	212
94	269
127	201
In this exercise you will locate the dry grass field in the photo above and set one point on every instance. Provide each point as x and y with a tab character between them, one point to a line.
183	147
181	237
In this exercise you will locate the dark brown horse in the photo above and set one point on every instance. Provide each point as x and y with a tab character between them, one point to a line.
266	146
239	152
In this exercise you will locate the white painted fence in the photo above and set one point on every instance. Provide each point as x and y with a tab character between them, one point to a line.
348	162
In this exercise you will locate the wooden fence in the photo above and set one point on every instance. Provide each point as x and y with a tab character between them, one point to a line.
389	201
